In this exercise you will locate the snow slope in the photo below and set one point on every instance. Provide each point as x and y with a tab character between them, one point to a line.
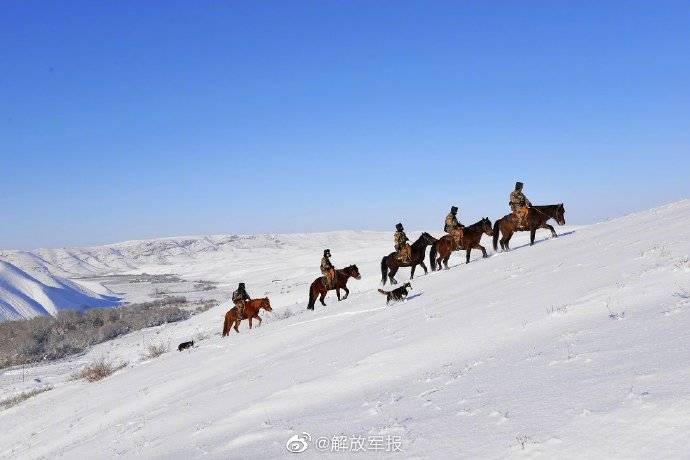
38	292
576	347
220	258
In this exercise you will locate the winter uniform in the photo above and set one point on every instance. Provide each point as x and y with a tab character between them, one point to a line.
400	239
452	226
239	297
327	269
519	204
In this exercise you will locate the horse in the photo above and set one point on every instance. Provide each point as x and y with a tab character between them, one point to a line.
392	261
318	288
251	311
472	235
536	218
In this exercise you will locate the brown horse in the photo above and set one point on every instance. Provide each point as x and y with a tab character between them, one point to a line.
251	311
472	235
318	288
392	261
536	218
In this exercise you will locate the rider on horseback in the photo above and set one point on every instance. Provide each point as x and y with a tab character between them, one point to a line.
327	269
239	297
519	204
404	249
452	226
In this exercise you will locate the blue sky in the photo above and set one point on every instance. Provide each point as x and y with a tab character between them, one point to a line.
122	120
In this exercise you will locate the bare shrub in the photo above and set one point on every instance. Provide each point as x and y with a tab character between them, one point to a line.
21	397
154	279
611	307
158	292
283	314
204	285
201	336
46	338
98	370
155	350
204	305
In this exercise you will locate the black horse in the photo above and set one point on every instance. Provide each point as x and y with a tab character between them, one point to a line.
392	261
536	218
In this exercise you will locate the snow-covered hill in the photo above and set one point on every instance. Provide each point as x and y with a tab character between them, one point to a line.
219	258
576	347
24	294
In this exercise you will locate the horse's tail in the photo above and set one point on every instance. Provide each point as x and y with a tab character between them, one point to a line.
312	297
497	225
432	256
227	324
384	271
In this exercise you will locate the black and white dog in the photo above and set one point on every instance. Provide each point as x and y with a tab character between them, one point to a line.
397	294
185	345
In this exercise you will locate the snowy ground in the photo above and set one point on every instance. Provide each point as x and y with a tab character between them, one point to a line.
576	347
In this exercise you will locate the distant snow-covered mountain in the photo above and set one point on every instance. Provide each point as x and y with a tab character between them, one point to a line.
215	257
25	294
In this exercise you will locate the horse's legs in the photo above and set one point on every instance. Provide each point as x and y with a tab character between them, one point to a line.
483	249
505	241
337	293
250	322
237	325
347	292
391	275
549	227
426	272
445	261
467	258
259	318
532	234
412	271
322	297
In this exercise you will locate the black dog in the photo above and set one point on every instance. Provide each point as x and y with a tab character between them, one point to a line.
185	345
397	294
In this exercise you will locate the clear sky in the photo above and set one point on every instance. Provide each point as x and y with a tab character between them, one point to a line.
135	119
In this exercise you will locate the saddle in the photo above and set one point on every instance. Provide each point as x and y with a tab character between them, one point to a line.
401	254
326	284
456	236
520	222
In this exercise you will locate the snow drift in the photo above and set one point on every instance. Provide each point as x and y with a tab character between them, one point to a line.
576	347
25	294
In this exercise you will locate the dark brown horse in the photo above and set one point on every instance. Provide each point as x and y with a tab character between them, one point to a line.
392	261
536	218
251	311
471	236
318	288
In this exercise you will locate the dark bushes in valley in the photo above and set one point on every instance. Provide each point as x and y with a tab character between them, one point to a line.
70	332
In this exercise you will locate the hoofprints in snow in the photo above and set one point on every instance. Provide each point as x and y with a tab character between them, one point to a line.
578	346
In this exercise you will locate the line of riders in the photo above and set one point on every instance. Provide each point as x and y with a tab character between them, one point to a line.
519	205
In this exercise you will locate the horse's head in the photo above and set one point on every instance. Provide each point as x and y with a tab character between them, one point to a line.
353	271
486	226
427	238
560	214
265	304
